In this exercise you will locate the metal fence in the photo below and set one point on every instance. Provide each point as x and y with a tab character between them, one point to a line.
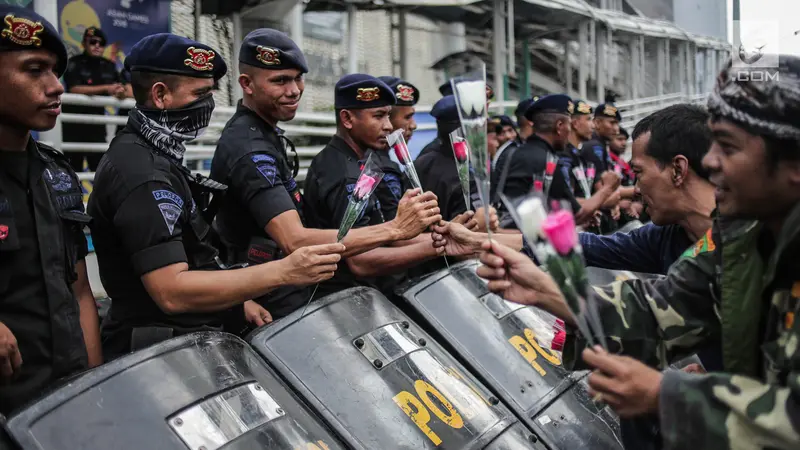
305	124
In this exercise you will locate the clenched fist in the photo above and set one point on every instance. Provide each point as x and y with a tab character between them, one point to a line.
415	213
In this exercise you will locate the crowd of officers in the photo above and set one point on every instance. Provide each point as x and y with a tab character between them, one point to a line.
179	252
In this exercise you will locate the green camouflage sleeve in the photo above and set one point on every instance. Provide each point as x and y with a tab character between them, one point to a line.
722	411
658	320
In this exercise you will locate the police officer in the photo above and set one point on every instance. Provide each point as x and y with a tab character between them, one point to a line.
535	165
48	318
507	131
402	115
606	124
152	234
362	104
90	74
261	218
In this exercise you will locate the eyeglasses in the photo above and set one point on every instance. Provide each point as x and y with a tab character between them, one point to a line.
96	42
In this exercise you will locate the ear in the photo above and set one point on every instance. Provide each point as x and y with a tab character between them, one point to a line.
160	95
793	171
680	170
346	118
246	83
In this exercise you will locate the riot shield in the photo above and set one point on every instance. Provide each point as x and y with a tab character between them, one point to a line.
496	340
383	382
204	391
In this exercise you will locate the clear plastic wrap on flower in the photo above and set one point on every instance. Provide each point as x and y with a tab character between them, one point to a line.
371	176
399	151
559	227
461	155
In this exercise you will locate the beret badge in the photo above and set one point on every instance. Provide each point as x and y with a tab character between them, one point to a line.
199	59
368	94
570	107
268	55
610	111
584	108
405	93
22	31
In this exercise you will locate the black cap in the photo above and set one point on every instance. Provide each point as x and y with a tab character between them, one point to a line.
607	110
624	132
362	91
406	93
23	29
177	55
582	108
95	32
266	48
445	110
554	103
504	121
523	106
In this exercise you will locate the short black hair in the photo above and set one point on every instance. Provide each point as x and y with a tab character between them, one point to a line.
545	122
677	130
141	82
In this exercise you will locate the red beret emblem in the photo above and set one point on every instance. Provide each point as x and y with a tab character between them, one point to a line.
199	59
268	55
368	94
405	93
22	31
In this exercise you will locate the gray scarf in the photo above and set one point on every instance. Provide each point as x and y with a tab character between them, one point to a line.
168	130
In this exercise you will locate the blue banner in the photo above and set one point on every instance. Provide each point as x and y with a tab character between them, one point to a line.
124	23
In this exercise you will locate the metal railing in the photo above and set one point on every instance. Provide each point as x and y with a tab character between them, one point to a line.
305	124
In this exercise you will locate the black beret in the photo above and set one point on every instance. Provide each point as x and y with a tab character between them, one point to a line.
608	110
582	108
523	106
95	32
266	48
446	89
177	55
624	132
23	29
504	121
362	91
406	93
445	110
553	103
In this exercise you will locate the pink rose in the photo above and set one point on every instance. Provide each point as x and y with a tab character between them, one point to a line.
558	340
551	168
460	150
538	186
559	227
401	151
590	172
618	170
364	186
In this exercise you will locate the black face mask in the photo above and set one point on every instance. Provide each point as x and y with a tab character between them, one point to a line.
169	129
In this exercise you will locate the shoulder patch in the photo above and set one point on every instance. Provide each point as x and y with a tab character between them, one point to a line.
393	181
262	158
268	171
164	194
704	245
170	213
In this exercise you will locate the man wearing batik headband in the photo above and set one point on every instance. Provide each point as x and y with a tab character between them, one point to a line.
738	288
363	104
402	115
151	229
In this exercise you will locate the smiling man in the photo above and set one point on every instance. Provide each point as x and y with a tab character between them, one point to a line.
261	218
363	104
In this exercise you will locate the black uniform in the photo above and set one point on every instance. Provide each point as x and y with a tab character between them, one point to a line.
41	241
595	151
145	218
329	184
87	70
392	186
531	159
251	160
437	171
572	160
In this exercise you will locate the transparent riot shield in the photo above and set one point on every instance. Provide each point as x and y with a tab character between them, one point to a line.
204	391
497	340
382	381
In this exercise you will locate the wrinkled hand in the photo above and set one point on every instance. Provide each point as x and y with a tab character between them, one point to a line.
415	213
611	179
625	384
635	209
480	216
10	358
467	219
311	265
255	314
513	275
456	239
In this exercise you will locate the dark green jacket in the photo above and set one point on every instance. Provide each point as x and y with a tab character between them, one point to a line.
739	287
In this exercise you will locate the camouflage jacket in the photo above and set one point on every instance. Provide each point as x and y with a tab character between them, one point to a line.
737	287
